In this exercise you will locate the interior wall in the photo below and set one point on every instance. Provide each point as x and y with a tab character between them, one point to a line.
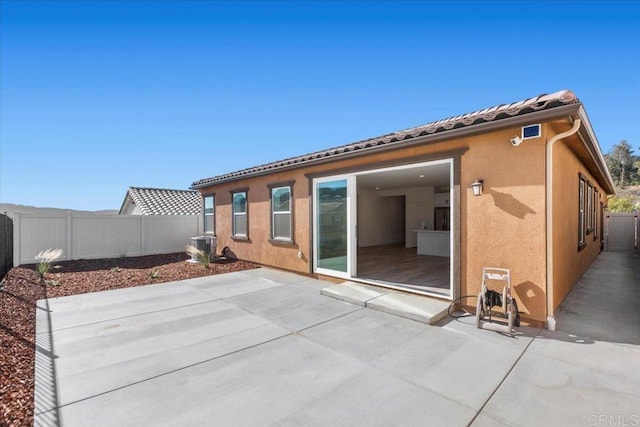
442	200
380	219
419	208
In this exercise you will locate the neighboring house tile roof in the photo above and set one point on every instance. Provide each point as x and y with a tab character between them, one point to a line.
160	201
492	114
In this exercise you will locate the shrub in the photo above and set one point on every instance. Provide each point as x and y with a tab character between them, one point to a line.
45	258
622	204
200	255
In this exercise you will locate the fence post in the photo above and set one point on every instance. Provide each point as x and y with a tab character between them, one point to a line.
605	232
69	249
142	244
636	230
16	238
6	244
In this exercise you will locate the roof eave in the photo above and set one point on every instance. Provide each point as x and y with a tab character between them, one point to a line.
127	197
532	117
593	146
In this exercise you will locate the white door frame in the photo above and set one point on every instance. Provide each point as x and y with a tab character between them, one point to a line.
352	216
352	223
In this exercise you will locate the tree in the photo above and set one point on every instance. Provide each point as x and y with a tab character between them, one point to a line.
621	204
623	164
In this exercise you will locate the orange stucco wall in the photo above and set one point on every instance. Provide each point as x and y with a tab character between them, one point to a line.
505	227
258	248
570	262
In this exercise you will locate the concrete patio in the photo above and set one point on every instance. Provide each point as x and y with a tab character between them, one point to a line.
264	347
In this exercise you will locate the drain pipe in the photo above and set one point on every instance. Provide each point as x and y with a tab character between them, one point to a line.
551	320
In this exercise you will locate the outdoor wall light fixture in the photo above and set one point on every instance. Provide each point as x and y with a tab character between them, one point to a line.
477	187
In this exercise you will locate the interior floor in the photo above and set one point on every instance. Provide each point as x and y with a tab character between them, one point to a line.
402	267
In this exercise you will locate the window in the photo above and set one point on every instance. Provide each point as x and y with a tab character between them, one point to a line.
281	205
582	187
239	207
596	223
209	214
589	208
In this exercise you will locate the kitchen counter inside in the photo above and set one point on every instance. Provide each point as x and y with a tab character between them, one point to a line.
433	242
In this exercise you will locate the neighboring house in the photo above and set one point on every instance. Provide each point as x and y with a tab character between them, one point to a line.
385	210
160	201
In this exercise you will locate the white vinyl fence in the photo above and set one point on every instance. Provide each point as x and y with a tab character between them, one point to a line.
92	236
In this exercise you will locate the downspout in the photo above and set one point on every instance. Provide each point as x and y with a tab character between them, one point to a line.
551	321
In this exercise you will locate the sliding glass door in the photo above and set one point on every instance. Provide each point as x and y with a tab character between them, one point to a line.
430	194
334	210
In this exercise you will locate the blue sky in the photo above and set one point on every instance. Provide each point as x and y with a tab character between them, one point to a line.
99	96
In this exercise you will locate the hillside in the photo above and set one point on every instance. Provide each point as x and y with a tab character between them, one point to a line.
9	208
626	200
630	191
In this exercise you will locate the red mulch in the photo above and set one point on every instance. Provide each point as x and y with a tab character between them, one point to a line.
21	289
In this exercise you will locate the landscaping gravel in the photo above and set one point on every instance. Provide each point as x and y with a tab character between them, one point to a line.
21	288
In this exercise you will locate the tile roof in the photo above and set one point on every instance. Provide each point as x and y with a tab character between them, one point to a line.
491	114
161	201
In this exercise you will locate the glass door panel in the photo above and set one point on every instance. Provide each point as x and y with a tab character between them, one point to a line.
331	225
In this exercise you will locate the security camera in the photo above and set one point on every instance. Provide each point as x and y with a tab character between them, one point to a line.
516	141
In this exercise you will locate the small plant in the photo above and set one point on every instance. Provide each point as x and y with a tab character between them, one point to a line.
154	274
45	258
200	255
116	269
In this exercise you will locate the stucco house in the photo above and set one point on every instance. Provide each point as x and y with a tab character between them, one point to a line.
520	186
160	201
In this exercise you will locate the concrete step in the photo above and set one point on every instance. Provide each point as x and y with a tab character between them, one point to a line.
354	293
411	306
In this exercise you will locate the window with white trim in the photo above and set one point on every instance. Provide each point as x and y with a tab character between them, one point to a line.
240	210
209	214
281	208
